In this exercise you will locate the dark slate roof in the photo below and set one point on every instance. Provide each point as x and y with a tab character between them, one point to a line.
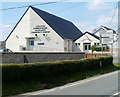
108	29
101	27
66	29
90	34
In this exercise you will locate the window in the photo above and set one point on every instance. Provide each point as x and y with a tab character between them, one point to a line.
96	43
87	46
77	44
31	41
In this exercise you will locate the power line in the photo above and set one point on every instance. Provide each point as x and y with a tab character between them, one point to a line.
112	16
87	16
26	6
60	10
46	3
68	8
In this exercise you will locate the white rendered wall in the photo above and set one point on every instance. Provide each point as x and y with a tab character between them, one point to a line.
86	38
17	36
24	29
68	45
56	43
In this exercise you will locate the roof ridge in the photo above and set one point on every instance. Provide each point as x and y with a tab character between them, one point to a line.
66	29
50	13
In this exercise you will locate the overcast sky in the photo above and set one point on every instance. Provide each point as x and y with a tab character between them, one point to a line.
87	16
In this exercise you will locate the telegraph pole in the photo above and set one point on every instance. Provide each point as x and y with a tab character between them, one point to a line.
101	44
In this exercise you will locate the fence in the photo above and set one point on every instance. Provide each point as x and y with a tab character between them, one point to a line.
95	55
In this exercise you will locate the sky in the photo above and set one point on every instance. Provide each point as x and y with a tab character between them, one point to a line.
87	16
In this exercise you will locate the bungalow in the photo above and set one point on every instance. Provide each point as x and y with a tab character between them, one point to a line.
39	31
85	41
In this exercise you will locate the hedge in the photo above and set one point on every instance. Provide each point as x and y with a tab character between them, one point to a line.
47	71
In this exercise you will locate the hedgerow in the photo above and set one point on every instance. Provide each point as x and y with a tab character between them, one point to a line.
47	71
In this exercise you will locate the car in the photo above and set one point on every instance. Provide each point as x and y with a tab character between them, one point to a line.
5	50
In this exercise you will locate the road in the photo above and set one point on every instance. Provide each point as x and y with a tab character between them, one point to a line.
106	84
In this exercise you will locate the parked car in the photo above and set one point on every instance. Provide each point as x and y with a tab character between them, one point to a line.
5	50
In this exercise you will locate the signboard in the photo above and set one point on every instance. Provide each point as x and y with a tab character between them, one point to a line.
106	40
40	43
108	34
40	29
107	37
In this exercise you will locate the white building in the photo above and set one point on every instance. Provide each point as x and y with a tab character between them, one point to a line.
107	36
116	47
84	42
40	31
110	38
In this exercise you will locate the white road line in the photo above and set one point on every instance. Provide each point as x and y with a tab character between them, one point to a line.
116	94
69	84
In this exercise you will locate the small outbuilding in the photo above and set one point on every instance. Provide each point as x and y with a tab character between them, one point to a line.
84	42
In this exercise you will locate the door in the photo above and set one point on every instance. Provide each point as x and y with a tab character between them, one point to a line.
31	43
87	47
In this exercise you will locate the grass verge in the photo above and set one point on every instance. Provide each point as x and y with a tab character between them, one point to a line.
17	88
117	65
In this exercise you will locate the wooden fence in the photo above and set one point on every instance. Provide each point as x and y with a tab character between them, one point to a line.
95	55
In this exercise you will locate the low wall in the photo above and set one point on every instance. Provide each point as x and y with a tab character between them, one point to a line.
39	57
95	55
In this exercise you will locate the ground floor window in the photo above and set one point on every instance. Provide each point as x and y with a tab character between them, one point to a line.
31	41
96	43
77	44
87	46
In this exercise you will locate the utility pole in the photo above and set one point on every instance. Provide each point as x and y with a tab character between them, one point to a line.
101	44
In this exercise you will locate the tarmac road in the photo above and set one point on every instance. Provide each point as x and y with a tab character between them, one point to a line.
107	84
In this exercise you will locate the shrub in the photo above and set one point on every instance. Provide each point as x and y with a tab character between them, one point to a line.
93	48
47	71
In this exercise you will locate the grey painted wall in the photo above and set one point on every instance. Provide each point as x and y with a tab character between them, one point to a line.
39	57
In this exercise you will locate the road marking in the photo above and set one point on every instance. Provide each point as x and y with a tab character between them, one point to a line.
116	94
68	85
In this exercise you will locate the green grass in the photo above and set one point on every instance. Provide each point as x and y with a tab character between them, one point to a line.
17	88
117	65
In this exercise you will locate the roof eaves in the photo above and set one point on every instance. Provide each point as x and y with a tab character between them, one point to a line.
88	33
93	35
